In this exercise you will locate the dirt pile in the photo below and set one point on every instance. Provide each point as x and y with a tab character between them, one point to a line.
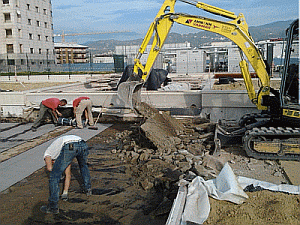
176	142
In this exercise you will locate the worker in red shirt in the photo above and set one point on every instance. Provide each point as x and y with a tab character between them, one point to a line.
80	105
49	106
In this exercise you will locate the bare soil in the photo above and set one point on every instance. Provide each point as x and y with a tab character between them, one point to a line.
240	85
17	86
132	191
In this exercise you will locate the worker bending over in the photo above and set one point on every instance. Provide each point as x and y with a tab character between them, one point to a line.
80	105
49	106
63	150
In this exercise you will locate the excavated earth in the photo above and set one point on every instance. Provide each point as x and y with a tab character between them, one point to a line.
135	169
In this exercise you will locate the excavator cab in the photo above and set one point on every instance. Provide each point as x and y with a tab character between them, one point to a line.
290	75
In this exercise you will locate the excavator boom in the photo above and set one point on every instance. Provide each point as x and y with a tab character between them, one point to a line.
236	30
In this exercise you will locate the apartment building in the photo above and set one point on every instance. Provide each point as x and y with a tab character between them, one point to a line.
26	34
66	53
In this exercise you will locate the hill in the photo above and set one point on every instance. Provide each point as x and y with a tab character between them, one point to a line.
263	32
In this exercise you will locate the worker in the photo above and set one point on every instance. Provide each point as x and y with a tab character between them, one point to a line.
63	150
49	106
80	105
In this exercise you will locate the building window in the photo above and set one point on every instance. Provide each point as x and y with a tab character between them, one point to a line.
19	33
31	51
40	51
46	25
10	48
30	36
18	16
37	9
11	62
28	6
45	11
21	48
7	18
39	37
8	33
47	38
29	21
5	2
38	23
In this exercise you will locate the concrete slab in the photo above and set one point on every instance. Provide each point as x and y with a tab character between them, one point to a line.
291	169
7	125
21	166
19	134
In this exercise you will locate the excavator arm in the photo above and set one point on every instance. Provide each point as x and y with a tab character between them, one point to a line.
236	30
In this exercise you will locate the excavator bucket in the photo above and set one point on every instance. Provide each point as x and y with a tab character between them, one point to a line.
130	92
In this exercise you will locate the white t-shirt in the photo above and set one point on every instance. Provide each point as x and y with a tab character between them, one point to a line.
54	149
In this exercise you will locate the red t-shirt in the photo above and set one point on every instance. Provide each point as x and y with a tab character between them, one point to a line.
77	101
51	103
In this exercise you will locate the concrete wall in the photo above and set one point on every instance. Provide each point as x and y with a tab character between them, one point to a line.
226	105
16	104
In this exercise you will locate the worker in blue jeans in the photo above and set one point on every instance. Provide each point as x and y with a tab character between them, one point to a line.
63	150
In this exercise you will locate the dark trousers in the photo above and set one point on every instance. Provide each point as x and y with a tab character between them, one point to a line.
42	114
67	154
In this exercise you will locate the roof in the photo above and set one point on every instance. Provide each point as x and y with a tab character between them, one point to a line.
68	45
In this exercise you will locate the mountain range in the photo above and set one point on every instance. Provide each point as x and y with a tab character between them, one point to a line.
259	33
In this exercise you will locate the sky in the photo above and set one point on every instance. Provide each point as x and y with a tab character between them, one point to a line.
82	16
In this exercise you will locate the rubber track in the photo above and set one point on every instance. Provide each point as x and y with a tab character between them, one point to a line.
271	131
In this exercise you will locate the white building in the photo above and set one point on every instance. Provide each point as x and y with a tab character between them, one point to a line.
103	59
26	33
166	57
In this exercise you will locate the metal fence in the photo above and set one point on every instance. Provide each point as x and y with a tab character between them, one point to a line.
84	67
11	63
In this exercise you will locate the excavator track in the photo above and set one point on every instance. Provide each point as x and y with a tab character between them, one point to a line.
277	143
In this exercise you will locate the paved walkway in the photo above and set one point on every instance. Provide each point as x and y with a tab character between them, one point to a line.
19	167
13	134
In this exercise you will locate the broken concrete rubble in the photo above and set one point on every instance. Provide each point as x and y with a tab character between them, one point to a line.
176	142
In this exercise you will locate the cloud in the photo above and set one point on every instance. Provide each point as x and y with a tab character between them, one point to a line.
65	7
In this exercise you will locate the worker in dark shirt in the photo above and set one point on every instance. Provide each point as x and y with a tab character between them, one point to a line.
49	106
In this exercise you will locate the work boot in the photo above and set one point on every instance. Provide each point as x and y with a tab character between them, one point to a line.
64	197
88	192
48	210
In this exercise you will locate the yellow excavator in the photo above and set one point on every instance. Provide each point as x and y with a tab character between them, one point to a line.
265	135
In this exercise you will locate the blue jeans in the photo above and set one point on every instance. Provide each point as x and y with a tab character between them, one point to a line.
68	153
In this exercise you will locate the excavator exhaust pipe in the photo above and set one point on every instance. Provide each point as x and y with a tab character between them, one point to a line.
130	93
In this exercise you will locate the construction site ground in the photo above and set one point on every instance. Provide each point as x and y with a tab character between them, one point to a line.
131	191
135	168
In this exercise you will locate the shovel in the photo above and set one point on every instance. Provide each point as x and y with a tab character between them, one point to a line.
94	127
130	92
